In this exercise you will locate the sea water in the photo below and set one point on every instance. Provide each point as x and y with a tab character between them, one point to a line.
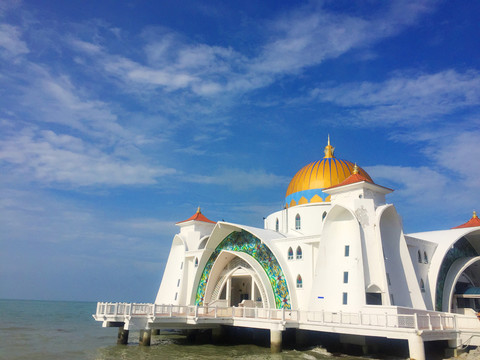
50	330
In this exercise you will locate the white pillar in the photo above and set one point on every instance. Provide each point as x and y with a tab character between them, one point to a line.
253	289
416	347
229	290
276	341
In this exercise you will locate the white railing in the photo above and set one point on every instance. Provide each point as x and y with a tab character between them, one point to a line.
421	320
387	320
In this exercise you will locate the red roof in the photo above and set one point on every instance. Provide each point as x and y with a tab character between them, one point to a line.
352	179
474	221
198	216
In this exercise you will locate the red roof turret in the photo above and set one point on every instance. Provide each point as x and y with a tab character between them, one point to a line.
198	216
352	179
474	221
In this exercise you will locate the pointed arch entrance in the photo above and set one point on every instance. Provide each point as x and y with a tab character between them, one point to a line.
236	279
262	270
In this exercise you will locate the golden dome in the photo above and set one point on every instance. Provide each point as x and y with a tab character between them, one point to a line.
307	184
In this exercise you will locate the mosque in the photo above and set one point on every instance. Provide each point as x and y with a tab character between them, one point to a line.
336	247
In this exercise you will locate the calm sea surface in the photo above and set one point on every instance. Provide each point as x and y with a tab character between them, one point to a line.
49	330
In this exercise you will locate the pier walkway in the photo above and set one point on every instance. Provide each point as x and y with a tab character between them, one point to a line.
393	322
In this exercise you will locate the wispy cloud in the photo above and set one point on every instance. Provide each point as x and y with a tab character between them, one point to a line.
10	41
63	159
240	179
292	42
405	98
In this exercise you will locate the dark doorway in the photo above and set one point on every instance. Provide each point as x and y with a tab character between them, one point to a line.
374	298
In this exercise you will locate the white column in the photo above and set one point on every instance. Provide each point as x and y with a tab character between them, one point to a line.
276	341
229	290
253	289
416	347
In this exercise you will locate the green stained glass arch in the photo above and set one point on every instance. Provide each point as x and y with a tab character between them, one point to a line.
243	241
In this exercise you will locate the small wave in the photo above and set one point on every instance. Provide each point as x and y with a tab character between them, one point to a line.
321	351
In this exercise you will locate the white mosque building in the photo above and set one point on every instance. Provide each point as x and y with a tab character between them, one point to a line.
336	247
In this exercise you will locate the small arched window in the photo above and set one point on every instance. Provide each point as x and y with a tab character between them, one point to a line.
299	282
419	256
277	226
422	285
297	222
299	253
290	253
196	262
324	214
425	257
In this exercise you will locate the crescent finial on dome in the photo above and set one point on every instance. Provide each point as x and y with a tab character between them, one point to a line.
329	149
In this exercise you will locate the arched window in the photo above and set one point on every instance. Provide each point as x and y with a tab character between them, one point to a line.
422	285
297	222
425	257
290	254
276	225
324	214
419	256
299	282
299	253
196	262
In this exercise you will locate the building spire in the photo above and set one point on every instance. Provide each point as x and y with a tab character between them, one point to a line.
474	215
329	149
355	169
198	210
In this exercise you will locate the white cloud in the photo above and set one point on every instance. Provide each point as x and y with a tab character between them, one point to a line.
86	47
456	152
52	158
293	42
405	99
10	41
240	179
413	183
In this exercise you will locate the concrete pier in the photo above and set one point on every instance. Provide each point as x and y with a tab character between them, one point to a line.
416	347
156	332
145	337
122	337
454	348
276	341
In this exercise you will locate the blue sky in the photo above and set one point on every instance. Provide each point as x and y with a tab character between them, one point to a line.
119	118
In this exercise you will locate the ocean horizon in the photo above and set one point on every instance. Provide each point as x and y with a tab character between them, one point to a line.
51	329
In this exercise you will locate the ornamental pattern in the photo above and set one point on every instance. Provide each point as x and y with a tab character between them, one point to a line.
247	243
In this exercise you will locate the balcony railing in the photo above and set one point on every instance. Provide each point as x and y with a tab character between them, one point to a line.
421	320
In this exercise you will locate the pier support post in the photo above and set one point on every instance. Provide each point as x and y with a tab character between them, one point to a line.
416	347
122	337
275	341
156	332
453	348
145	337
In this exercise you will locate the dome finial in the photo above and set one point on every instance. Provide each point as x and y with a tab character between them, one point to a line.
198	210
355	169
474	214
329	149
